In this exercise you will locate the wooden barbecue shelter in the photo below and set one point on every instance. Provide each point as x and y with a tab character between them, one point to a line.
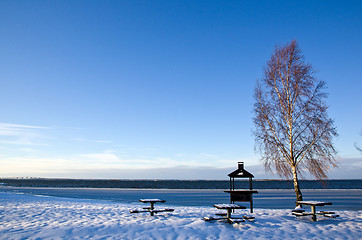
241	195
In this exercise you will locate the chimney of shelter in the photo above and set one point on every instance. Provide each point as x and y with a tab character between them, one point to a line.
241	166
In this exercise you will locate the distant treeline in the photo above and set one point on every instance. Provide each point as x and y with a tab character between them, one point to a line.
178	184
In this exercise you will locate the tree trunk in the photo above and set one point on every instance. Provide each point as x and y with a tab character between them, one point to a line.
298	193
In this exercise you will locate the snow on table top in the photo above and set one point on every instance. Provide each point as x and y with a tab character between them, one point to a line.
229	206
316	203
152	200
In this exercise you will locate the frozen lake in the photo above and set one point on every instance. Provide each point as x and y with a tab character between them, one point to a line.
342	199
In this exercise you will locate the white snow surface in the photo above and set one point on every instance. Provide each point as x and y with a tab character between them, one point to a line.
38	217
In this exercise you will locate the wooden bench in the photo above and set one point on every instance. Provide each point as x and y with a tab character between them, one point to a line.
299	214
298	209
227	216
151	209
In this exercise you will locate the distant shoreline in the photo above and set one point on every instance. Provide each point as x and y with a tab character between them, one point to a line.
178	184
161	179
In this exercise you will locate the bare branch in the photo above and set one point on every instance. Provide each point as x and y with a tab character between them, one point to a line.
357	147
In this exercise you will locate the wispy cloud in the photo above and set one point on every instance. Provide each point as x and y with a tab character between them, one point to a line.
21	134
112	159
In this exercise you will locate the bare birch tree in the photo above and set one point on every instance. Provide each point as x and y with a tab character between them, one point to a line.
292	129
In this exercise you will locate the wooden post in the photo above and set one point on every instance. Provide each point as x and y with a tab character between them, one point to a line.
228	215
251	202
151	209
314	217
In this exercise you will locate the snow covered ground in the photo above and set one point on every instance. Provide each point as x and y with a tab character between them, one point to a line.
24	216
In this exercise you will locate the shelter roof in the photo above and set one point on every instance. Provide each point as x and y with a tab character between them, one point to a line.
240	172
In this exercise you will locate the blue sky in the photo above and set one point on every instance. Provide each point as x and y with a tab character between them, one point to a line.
161	89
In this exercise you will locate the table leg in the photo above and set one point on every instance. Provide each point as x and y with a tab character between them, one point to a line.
314	217
251	204
151	209
228	215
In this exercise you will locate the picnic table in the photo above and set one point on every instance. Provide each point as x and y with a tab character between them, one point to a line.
151	209
313	212
227	216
